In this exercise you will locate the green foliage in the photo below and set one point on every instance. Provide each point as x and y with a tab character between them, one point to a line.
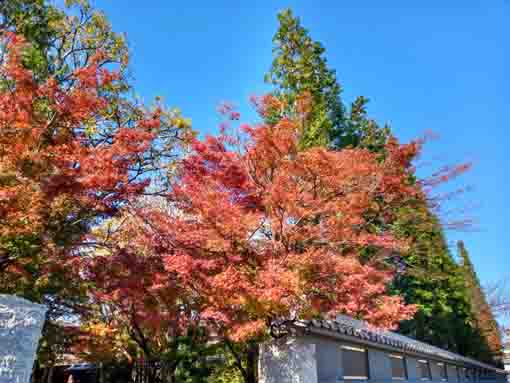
192	358
226	372
240	361
364	131
299	67
481	310
30	18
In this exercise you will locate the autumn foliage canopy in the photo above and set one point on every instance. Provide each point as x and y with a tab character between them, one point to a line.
257	233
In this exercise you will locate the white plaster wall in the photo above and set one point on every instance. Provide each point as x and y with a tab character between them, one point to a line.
452	374
329	360
288	361
435	371
379	366
316	359
412	369
21	324
506	361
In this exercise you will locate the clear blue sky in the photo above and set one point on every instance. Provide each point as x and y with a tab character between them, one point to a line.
434	65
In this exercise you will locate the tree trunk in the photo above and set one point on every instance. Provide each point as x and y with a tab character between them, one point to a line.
252	358
50	374
35	369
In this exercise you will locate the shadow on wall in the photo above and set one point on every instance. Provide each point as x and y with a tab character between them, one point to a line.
288	361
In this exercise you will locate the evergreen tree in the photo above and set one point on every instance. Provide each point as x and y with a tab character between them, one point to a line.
433	281
299	67
431	278
482	312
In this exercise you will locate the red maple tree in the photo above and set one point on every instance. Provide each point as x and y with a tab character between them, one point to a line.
261	233
142	310
70	156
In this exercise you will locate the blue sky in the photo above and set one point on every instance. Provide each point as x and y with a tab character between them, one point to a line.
432	65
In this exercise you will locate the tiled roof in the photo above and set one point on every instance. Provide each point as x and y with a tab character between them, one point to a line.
359	329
